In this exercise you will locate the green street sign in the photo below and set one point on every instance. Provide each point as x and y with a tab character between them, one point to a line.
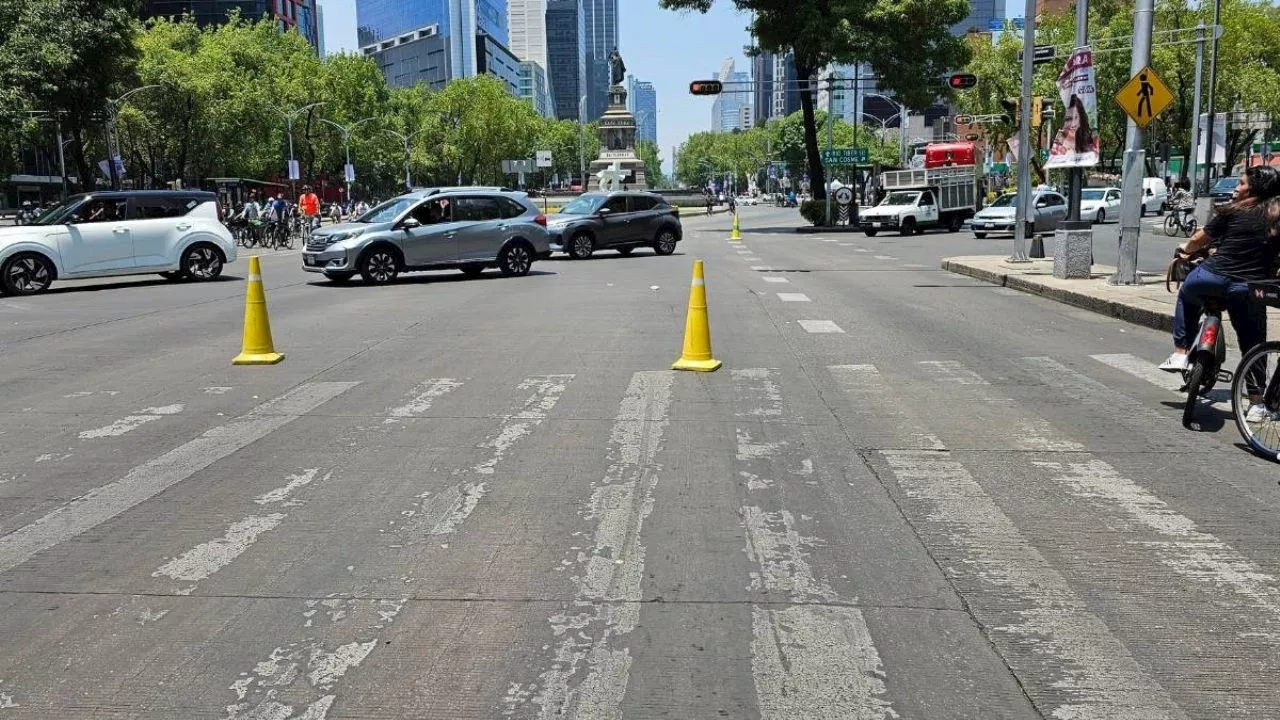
846	156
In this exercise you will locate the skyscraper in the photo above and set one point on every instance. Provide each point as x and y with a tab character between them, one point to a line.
600	22
566	56
642	101
435	41
981	12
726	112
299	14
527	28
775	94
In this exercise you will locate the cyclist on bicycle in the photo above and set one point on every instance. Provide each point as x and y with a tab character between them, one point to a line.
1246	235
309	203
1181	201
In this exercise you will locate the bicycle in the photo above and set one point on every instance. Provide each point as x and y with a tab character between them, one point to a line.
1205	360
1252	383
1183	221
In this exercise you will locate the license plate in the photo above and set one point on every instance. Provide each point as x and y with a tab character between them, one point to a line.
875	224
308	260
980	225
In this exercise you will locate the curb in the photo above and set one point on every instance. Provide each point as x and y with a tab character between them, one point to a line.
1129	313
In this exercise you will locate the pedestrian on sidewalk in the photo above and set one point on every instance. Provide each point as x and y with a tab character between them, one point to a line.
1245	235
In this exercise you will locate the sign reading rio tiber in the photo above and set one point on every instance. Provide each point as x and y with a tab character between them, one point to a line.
846	156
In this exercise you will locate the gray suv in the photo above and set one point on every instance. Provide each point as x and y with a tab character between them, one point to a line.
468	229
619	220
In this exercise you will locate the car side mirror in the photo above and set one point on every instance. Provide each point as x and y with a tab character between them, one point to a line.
410	223
1042	203
603	211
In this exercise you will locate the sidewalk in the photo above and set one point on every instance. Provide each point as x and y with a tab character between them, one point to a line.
1147	304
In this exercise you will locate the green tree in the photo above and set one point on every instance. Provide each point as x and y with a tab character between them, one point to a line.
652	158
907	43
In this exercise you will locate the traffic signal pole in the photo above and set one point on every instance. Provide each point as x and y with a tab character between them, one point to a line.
1076	179
1024	137
1131	199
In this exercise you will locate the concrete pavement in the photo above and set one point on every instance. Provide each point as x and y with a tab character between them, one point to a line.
908	494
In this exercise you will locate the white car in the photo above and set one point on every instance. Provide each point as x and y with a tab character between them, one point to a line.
746	200
1100	204
175	233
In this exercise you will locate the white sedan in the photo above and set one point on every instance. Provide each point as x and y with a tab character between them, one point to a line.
1099	204
746	200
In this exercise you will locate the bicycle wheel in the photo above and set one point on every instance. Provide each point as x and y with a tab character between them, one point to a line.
1170	225
1189	227
1195	378
1263	437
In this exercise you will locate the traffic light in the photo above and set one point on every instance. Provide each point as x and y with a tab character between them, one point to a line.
706	87
1037	111
962	81
1012	111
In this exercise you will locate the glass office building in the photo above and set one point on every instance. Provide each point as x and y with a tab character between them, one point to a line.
290	14
566	56
380	19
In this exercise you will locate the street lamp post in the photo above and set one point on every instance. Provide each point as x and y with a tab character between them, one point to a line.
113	140
289	117
904	117
582	153
408	180
348	172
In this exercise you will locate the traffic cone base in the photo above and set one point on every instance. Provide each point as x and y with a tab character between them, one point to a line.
256	348
737	230
697	332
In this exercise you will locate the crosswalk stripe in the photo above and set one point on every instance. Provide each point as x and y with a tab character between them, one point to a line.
1142	369
820	327
774	279
1065	656
611	570
865	385
423	397
155	476
793	297
952	371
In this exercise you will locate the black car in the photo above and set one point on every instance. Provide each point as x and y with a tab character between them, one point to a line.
1221	191
618	220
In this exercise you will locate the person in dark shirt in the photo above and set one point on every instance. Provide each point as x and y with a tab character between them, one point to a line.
1245	236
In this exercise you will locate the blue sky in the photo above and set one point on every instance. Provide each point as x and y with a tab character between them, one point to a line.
666	48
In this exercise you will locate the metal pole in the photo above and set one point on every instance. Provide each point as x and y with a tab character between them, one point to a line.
1213	89
1076	187
346	140
408	180
582	156
62	160
1195	114
1024	136
113	145
1134	156
293	184
831	125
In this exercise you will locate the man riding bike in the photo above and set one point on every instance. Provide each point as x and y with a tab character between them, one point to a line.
1246	234
309	203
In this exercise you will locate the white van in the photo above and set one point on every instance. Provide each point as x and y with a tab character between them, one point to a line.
1154	194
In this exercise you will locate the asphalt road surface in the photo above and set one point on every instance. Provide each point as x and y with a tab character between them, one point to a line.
906	495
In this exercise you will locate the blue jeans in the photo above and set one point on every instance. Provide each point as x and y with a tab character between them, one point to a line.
1247	317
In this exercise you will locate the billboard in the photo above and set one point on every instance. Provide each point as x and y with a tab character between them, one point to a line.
1076	143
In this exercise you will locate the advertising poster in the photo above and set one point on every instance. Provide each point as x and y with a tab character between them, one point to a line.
1076	143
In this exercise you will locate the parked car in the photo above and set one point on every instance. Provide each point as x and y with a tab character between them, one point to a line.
467	229
746	200
1154	195
999	216
1222	190
1098	204
178	234
619	220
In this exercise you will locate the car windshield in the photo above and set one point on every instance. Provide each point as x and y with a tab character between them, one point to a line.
56	214
1005	201
388	211
901	198
1226	184
583	204
1092	194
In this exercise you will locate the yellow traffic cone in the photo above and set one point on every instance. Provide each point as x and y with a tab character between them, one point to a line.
697	332
737	231
257	348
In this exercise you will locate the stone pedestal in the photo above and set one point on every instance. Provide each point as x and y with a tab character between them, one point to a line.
1073	251
618	143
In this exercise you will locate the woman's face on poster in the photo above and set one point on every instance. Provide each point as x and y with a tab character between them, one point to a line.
1073	117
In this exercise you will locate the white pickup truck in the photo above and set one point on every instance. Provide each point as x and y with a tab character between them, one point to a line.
919	199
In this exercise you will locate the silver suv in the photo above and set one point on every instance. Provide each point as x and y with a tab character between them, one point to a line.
469	229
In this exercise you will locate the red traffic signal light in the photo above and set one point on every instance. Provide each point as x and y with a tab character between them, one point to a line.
706	87
962	81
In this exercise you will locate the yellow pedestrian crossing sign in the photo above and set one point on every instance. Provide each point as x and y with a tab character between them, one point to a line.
1144	97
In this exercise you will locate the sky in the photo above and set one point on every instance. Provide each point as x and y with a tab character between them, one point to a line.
666	48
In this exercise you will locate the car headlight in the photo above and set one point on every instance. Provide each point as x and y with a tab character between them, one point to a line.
336	238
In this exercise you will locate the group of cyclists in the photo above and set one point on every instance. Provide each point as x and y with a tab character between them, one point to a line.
275	222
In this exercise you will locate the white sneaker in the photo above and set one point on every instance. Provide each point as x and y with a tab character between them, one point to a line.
1177	362
1258	413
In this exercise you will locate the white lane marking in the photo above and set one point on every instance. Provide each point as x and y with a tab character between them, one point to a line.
759	390
793	297
1142	369
610	572
846	245
865	385
130	423
760	267
828	240
819	326
308	673
1028	608
6	700
885	257
545	391
861	250
155	476
424	395
208	558
816	663
1186	549
217	390
782	554
916	266
952	372
774	279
